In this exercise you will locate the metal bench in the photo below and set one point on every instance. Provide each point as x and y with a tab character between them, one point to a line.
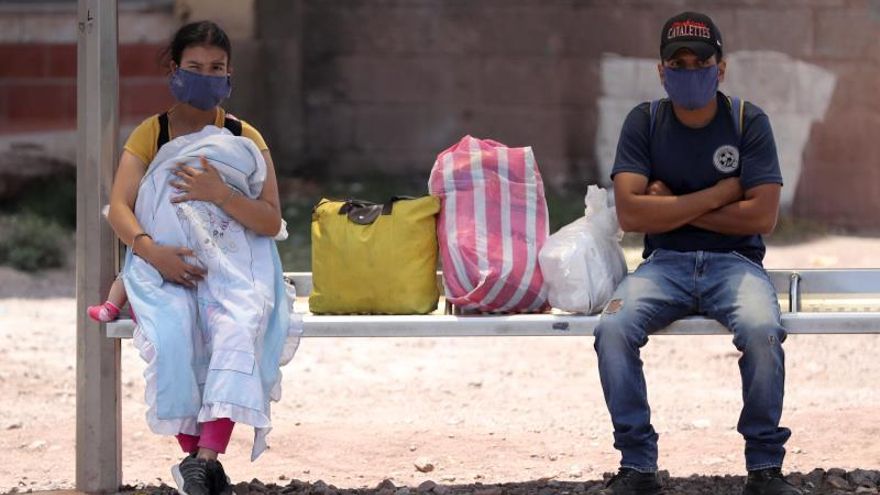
837	301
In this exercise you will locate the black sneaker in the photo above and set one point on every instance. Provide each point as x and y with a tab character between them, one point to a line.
218	482
768	482
631	482
191	476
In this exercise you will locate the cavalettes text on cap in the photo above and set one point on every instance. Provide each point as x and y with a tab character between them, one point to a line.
689	28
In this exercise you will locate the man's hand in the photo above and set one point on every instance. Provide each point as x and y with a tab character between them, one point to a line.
729	190
653	209
754	213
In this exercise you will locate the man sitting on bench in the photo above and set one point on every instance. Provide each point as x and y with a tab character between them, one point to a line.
699	176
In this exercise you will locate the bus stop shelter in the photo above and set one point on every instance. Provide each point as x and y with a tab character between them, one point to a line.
98	392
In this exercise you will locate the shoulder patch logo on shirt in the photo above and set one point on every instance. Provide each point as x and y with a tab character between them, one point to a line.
726	159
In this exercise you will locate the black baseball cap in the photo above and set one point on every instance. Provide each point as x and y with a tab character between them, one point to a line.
693	31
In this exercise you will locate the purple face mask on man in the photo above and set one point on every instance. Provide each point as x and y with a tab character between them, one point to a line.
691	88
201	91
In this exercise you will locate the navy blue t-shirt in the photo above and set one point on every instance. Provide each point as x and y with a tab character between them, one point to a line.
689	160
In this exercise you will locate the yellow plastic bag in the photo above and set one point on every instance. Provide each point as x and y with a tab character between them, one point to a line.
370	258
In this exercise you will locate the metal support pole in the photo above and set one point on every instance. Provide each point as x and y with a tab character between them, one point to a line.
98	391
794	294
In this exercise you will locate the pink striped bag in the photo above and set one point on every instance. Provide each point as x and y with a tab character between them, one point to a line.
492	225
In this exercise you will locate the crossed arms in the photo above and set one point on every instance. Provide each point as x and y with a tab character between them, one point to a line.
724	208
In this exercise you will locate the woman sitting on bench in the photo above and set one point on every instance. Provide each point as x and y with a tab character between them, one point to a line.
229	355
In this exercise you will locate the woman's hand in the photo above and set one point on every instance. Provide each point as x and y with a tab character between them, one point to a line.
170	263
200	185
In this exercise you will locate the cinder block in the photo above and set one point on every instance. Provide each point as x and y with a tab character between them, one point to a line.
780	83
847	136
630	78
856	83
283	19
140	60
362	165
631	32
787	30
330	129
278	108
413	128
848	33
139	26
707	5
389	128
538	126
4	111
55	100
61	60
612	112
139	98
23	60
524	31
521	80
457	30
840	183
389	30
46	28
580	81
331	32
249	90
434	79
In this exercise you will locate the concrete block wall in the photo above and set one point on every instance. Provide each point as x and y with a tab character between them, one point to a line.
345	88
38	72
38	85
387	84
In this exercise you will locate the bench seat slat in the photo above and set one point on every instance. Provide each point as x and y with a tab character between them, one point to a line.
812	283
539	325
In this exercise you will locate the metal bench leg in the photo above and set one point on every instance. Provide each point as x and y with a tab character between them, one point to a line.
794	294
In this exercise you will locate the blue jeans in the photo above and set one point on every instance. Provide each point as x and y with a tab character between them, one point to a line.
727	287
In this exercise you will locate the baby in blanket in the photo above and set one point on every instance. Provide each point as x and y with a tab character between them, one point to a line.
111	308
213	346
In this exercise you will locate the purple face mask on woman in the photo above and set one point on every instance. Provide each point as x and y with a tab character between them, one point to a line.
691	88
201	91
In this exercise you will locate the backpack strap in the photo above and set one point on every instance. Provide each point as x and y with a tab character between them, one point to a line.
737	113
233	124
230	122
163	131
654	109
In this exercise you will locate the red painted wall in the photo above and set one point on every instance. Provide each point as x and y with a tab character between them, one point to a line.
38	85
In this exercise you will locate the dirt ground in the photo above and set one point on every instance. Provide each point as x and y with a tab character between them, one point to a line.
490	410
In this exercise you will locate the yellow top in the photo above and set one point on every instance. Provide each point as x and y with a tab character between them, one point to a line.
142	141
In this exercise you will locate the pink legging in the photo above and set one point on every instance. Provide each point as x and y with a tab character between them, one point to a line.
215	436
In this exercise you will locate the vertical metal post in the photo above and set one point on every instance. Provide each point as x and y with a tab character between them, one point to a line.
98	390
794	294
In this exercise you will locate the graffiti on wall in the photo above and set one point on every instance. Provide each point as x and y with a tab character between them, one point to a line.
793	93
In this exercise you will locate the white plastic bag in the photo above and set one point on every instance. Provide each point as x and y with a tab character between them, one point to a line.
583	262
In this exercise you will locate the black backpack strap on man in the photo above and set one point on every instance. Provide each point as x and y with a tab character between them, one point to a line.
735	103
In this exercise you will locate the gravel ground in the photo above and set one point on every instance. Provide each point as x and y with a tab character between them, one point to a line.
818	481
518	415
